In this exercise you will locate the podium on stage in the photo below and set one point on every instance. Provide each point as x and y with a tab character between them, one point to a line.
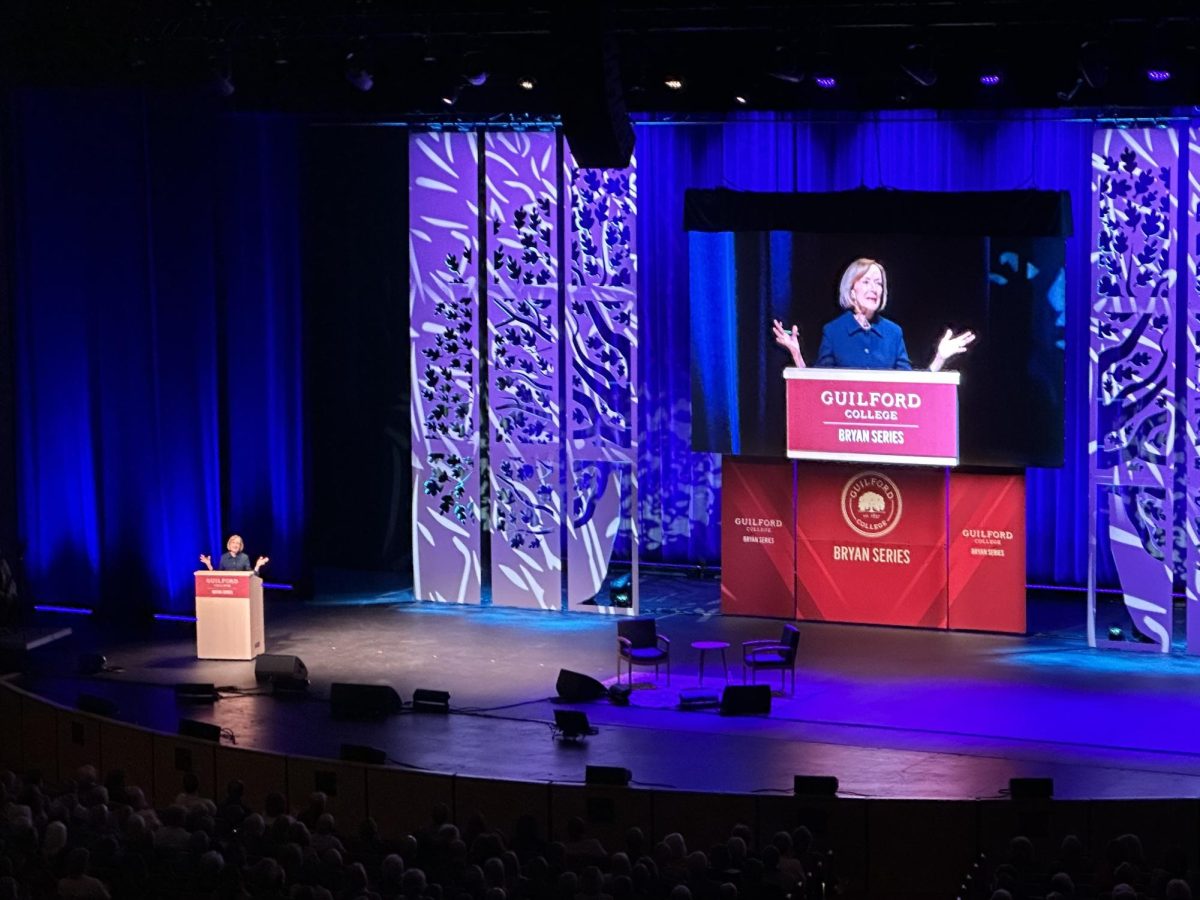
873	415
229	615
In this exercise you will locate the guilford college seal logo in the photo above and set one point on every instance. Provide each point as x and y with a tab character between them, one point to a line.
871	504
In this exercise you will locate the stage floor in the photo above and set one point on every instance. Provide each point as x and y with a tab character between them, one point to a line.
893	713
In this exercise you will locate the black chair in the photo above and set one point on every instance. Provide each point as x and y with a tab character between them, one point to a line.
640	644
779	655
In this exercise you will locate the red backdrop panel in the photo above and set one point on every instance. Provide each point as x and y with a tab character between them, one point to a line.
987	552
757	540
871	545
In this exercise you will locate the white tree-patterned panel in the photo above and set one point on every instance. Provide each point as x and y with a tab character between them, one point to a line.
525	408
1132	375
445	358
601	402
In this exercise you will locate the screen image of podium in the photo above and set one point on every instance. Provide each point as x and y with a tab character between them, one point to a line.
873	415
229	615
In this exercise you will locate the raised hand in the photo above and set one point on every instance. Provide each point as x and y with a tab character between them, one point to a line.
261	561
789	341
207	560
950	345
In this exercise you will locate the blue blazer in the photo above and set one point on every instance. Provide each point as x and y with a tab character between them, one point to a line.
847	345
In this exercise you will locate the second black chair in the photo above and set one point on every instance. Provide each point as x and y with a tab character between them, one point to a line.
640	644
779	655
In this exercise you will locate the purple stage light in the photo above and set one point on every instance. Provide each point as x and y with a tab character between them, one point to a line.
990	79
70	610
828	82
1158	75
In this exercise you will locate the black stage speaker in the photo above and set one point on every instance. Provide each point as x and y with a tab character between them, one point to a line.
614	775
196	692
363	701
746	700
98	706
205	731
1031	788
575	687
815	786
279	667
363	754
592	99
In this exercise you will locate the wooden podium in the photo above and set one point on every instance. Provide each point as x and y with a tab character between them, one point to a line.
229	615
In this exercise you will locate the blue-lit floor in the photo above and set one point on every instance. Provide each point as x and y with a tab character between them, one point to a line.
891	712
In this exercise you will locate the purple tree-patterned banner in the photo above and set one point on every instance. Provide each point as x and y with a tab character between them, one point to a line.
443	300
1132	440
520	172
1190	502
601	403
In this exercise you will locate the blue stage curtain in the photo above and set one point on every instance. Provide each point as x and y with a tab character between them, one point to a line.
903	150
157	311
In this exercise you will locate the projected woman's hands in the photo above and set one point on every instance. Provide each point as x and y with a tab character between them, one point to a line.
789	341
950	345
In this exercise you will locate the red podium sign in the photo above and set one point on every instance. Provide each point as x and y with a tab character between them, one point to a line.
222	584
865	415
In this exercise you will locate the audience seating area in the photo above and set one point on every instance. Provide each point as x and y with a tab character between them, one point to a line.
181	818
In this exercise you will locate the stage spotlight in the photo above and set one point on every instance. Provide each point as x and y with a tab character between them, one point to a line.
739	100
474	69
356	73
1094	62
1116	634
429	54
527	84
917	63
990	79
430	701
450	97
785	64
220	72
1158	74
824	73
675	84
620	591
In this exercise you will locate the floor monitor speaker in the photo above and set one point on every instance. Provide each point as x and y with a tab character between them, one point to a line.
746	700
575	687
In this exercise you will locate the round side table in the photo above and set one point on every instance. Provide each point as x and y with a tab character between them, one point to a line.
704	646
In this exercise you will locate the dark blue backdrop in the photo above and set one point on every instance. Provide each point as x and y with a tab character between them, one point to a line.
158	346
158	311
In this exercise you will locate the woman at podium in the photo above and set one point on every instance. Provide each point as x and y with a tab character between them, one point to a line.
234	558
860	338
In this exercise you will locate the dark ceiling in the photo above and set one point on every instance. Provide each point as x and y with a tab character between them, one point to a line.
304	54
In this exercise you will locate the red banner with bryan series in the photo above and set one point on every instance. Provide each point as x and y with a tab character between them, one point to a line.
757	538
871	545
987	552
